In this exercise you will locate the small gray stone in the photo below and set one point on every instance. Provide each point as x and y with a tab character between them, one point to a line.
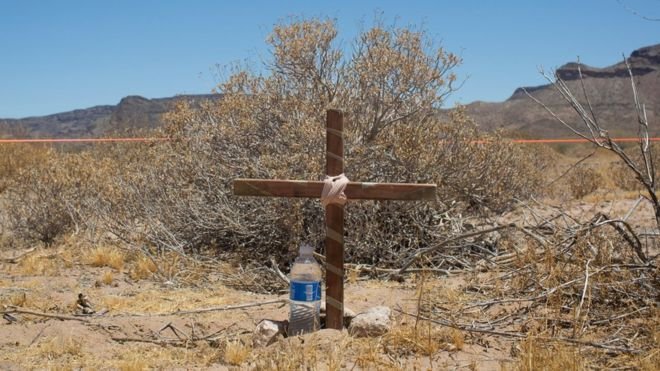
268	332
374	322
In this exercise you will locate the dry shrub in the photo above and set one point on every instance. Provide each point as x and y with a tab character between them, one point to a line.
54	192
42	203
173	198
53	197
590	286
483	171
16	158
626	179
610	288
179	196
583	180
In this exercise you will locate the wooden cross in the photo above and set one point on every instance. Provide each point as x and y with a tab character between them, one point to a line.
334	213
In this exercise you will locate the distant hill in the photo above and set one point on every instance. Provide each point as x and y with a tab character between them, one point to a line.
132	112
609	91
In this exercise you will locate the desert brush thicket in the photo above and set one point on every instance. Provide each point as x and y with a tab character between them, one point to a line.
271	125
177	195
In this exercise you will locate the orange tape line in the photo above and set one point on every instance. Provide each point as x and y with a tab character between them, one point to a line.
578	140
83	140
558	141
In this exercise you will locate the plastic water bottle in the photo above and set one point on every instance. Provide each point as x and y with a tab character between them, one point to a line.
305	293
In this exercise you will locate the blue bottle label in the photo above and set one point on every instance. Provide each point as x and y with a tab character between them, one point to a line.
305	291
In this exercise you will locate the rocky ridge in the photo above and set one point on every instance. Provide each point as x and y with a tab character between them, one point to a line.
609	90
131	113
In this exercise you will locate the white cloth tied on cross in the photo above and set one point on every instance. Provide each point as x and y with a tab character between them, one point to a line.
333	190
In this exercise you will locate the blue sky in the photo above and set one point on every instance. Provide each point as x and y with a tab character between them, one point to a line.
61	55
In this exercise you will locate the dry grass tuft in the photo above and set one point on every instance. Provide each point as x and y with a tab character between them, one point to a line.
113	302
236	352
17	299
57	347
151	357
325	350
457	338
107	277
142	268
133	362
37	265
106	256
551	357
425	339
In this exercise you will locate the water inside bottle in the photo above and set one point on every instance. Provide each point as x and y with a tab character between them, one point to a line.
305	295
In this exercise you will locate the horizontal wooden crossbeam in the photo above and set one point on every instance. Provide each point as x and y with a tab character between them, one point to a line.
354	190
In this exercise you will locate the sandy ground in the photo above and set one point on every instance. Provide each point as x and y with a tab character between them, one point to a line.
131	312
136	332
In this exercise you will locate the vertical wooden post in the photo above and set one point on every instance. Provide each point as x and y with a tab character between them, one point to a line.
334	222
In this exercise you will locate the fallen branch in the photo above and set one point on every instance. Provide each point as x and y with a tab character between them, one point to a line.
435	247
626	232
203	310
175	342
374	269
584	289
521	336
42	314
593	344
38	335
279	273
464	327
152	341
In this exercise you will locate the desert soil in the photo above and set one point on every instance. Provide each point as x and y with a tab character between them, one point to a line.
132	329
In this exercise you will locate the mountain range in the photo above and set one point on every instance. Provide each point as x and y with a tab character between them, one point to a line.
133	112
609	91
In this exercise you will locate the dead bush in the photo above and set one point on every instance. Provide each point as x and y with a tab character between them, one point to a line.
42	203
623	178
17	157
583	180
57	194
590	286
626	179
272	126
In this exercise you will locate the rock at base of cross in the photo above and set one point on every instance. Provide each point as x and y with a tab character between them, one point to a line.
375	321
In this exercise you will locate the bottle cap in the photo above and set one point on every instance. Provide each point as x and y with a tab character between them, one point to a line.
306	249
